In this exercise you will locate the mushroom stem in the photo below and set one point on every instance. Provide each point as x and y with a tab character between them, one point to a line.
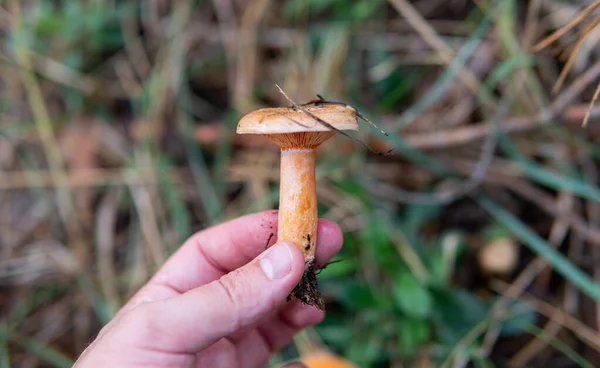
298	204
298	214
298	201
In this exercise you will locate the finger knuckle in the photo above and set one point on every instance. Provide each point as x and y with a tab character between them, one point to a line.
231	290
234	292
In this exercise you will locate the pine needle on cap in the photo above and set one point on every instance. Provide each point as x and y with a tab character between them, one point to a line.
323	122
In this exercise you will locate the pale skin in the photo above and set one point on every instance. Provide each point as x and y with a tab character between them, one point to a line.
219	301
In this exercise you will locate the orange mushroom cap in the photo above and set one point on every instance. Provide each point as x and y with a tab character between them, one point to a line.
281	120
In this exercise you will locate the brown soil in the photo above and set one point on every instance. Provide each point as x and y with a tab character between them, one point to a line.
307	290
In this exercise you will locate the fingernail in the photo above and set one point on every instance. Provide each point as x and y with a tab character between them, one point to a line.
277	261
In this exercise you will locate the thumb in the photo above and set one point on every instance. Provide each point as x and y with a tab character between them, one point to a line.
193	321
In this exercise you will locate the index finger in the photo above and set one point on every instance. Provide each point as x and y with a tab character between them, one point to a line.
216	251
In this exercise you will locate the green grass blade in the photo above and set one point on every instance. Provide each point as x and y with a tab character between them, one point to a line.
436	91
223	154
179	213
199	167
559	262
422	159
546	177
49	355
4	355
505	69
573	138
98	303
559	345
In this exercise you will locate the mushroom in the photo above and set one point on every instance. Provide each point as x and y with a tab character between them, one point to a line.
499	257
298	131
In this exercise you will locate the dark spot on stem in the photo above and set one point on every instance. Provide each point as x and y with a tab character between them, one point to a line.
269	240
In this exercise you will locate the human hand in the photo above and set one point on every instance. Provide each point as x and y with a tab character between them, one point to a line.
219	301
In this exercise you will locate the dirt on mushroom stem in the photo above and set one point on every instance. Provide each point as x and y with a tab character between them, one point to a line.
298	215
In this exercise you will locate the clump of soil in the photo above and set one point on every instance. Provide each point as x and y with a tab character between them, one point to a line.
307	290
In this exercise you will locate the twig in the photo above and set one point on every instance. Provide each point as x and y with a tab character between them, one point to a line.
536	346
48	139
585	333
559	107
557	236
36	100
228	31
567	96
371	123
448	138
244	52
432	38
569	64
134	47
589	110
284	114
544	202
560	32
148	220
323	122
464	342
531	25
446	196
82	178
322	101
321	268
105	225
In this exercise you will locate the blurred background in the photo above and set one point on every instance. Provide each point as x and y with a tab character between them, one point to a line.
475	243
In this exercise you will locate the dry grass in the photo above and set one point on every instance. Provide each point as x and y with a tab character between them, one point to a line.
117	142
